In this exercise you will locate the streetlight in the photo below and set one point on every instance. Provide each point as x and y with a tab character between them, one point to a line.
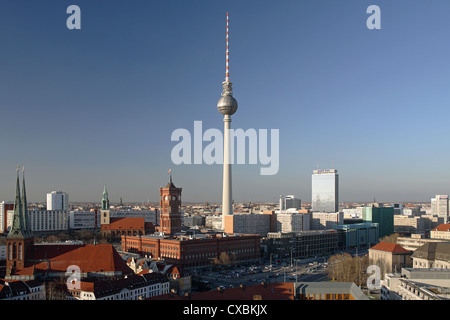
291	256
271	261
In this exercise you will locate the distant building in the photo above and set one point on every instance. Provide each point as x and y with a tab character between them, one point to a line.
213	222
440	207
384	216
325	191
48	220
84	219
409	224
4	208
126	226
191	221
57	201
292	221
325	220
290	202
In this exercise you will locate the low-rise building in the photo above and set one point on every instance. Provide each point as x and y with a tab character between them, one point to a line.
442	231
21	290
432	255
415	241
416	284
389	257
302	244
130	287
189	251
329	291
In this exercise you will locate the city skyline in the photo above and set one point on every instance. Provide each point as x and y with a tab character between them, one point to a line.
97	106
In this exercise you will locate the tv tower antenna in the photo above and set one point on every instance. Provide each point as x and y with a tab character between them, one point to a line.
227	71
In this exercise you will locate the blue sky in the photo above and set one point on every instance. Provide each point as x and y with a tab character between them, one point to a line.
84	108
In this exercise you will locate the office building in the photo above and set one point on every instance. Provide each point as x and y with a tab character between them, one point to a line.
248	223
292	221
357	235
290	202
57	200
4	208
325	220
384	216
440	207
325	190
302	244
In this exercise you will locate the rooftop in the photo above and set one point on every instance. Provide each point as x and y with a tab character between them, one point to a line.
389	247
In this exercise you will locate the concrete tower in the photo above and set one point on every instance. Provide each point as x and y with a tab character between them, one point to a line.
227	105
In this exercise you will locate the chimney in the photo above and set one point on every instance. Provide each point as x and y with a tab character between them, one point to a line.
242	286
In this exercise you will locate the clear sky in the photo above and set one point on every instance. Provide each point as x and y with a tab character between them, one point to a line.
84	108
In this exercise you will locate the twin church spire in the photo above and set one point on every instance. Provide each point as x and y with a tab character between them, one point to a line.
20	228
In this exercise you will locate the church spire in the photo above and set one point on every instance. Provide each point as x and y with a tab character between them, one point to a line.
19	228
105	200
25	204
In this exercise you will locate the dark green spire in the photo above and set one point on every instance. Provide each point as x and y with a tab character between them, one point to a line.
18	228
105	200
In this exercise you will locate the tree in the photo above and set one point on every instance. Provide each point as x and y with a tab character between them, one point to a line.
345	268
392	238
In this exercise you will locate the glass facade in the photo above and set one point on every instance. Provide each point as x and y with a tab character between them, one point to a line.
325	191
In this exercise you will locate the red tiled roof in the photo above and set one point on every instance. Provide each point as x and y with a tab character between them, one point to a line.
129	223
88	257
442	227
270	291
389	247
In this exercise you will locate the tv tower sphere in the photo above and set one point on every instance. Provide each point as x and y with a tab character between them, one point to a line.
227	104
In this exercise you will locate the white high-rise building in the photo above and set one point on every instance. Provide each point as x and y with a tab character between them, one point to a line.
57	200
4	208
325	190
440	207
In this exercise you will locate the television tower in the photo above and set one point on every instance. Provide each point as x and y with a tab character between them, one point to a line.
227	105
